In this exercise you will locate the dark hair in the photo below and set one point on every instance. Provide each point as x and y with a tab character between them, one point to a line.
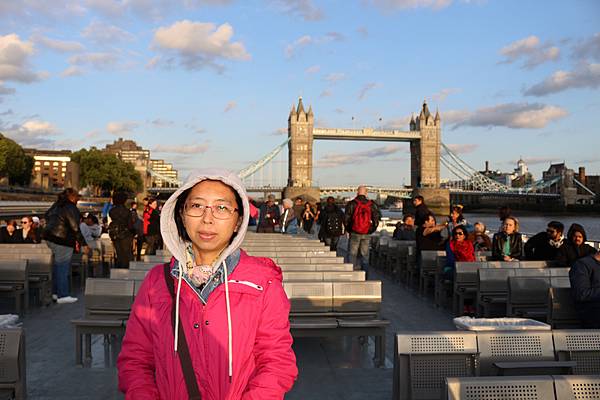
331	199
426	217
419	197
459	228
459	211
119	198
63	197
576	228
93	218
13	222
556	225
406	216
504	212
180	203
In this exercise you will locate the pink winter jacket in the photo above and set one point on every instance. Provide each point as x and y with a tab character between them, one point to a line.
264	364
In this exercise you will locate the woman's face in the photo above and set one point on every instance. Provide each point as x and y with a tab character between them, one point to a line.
454	215
429	222
459	235
577	238
509	226
211	235
10	228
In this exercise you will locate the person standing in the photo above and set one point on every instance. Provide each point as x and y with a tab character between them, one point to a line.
508	244
361	219
153	232
268	216
213	323
331	220
62	234
421	210
121	230
288	221
308	217
138	226
585	286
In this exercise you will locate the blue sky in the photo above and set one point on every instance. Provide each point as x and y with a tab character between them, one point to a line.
210	82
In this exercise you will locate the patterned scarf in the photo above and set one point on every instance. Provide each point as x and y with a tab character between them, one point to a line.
198	274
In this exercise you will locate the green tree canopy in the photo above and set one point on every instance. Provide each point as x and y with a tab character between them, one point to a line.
14	163
106	172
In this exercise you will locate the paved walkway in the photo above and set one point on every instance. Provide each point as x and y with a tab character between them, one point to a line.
339	369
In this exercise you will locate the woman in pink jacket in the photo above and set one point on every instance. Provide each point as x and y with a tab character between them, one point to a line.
212	323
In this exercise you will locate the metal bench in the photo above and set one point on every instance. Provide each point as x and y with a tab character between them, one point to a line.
511	348
123	273
500	388
107	306
326	276
465	284
423	359
14	283
580	345
428	267
492	289
12	363
528	291
577	387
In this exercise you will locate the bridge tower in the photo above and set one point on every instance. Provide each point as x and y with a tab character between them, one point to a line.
425	153
300	161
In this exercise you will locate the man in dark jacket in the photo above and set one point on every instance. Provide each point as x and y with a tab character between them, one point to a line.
61	235
574	246
331	220
405	230
585	286
121	230
361	219
544	245
421	210
268	216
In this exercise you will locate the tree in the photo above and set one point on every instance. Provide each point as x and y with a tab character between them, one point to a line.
106	172
14	163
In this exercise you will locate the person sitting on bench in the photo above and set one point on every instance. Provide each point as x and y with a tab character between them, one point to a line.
585	286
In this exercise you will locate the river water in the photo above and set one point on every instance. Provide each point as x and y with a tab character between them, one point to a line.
531	223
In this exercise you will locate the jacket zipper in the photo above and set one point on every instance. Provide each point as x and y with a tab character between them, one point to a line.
247	283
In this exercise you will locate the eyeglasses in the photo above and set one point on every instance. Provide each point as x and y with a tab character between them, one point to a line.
25	222
219	211
460	234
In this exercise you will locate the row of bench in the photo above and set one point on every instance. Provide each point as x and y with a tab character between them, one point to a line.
12	364
422	360
327	298
553	387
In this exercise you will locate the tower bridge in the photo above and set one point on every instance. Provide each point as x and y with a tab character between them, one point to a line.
427	154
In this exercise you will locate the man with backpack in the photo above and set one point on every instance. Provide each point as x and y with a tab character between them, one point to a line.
331	220
361	219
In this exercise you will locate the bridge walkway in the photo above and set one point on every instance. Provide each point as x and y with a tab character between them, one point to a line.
336	368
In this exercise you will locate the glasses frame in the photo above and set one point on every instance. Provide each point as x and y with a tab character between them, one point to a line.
233	210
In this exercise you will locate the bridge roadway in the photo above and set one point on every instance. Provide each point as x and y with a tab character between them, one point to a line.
330	369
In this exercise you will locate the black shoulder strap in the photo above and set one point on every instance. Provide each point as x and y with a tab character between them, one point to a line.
182	346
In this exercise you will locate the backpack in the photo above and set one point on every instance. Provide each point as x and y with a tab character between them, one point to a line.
361	219
334	224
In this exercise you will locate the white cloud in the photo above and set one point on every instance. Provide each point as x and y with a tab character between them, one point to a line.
199	44
334	77
27	10
61	46
280	131
33	132
366	89
6	90
304	9
162	123
531	51
397	123
313	69
393	5
301	42
359	157
463	148
513	115
230	106
443	94
182	149
14	60
121	127
103	33
588	48
326	93
98	60
72	71
454	116
584	76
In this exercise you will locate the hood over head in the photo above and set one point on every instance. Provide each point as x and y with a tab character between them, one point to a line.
168	227
576	228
